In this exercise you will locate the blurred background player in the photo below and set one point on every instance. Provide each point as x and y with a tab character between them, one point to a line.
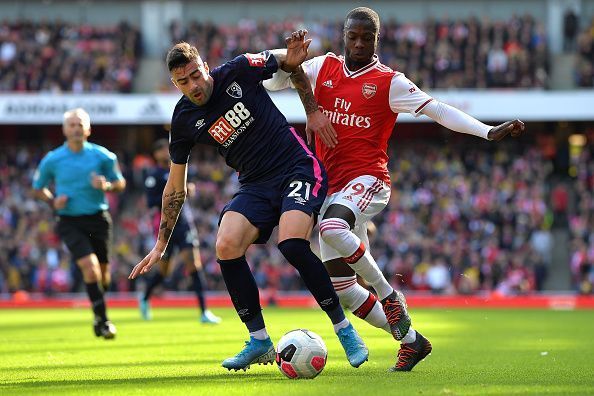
184	238
282	183
361	99
82	173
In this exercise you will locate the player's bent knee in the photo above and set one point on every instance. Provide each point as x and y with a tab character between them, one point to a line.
90	268
338	268
228	248
334	230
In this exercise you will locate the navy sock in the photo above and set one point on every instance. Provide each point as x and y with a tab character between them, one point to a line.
243	291
298	252
256	323
199	283
97	301
154	282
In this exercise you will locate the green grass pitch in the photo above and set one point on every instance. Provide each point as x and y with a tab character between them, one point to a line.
475	352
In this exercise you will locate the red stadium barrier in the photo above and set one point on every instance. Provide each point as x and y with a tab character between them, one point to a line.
297	300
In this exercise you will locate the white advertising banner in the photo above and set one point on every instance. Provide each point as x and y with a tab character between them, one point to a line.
155	109
103	108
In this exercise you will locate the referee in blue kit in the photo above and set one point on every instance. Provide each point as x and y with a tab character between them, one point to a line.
81	173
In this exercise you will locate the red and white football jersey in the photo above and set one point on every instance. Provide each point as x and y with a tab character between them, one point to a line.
363	106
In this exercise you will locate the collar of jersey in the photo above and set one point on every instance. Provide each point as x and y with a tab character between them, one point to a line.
363	70
86	146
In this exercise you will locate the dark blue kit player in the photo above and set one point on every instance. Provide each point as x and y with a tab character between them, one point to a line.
281	182
184	239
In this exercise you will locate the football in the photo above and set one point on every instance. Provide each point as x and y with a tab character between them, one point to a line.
301	354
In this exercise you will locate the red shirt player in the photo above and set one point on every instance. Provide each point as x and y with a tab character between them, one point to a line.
361	99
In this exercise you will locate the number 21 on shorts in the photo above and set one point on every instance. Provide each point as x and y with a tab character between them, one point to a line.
299	189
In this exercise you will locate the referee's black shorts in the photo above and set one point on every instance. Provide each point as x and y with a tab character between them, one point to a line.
87	234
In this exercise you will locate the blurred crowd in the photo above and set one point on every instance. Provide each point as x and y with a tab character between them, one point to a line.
63	57
58	56
461	219
581	224
445	53
467	219
585	57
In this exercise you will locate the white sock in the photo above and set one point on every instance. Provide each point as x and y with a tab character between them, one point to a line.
261	334
410	337
336	232
341	325
377	318
359	301
368	269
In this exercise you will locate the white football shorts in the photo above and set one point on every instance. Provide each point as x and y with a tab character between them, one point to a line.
366	196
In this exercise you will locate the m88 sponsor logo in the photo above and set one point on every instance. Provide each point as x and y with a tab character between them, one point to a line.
228	127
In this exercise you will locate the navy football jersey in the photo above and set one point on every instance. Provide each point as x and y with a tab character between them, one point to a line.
154	184
239	119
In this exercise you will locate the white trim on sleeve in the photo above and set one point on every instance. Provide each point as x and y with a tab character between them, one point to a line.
406	97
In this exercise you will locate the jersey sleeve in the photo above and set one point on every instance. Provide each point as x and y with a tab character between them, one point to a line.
180	145
282	80
258	67
111	168
43	174
406	97
312	68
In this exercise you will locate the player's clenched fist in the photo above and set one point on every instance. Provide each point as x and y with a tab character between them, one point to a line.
514	127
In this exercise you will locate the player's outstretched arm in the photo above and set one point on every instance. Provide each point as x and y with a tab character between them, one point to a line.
296	52
290	58
291	73
316	122
174	196
457	120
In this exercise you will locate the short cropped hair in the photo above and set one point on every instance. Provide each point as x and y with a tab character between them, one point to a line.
181	54
80	113
364	14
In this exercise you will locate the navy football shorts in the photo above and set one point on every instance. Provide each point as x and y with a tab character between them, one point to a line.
303	186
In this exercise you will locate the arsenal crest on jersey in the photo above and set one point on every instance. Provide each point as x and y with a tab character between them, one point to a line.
369	90
234	90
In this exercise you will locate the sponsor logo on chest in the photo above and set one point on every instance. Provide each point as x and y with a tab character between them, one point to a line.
227	128
221	130
344	114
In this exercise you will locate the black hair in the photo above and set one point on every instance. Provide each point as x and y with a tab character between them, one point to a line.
364	14
180	55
